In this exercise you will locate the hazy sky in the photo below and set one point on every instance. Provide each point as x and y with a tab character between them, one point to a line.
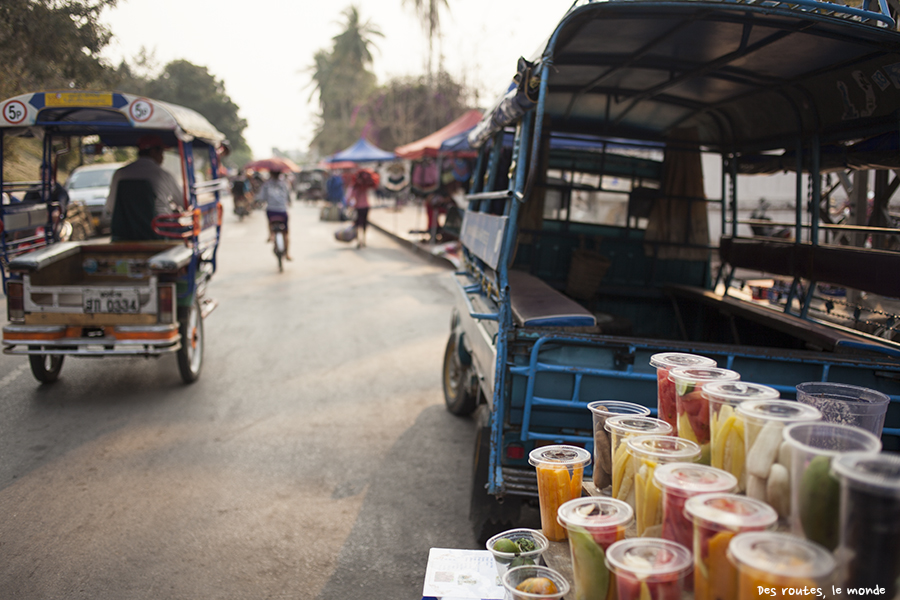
261	49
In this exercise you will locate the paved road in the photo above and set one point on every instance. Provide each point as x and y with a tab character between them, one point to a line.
313	458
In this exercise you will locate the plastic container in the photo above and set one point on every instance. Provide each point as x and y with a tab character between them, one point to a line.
846	404
691	405
726	429
717	518
647	453
770	561
649	568
621	428
680	481
815	492
560	470
594	524
768	461
665	389
602	410
534	580
869	550
505	560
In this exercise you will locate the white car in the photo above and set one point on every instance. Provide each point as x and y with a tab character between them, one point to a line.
89	184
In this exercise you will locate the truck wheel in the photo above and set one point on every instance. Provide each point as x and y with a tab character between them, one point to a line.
190	355
457	396
488	515
46	367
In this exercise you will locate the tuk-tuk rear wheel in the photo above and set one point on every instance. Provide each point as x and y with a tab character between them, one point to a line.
46	367
458	397
190	355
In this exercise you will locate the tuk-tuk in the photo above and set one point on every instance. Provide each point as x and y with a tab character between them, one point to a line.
143	294
587	244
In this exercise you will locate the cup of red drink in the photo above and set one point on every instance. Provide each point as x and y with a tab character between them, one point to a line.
594	523
665	389
681	481
649	568
717	518
692	407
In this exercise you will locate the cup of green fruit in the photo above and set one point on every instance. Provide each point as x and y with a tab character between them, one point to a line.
517	547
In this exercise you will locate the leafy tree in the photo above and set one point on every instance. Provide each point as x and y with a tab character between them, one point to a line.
342	78
184	83
47	44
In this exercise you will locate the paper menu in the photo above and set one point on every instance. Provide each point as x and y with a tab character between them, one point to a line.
469	574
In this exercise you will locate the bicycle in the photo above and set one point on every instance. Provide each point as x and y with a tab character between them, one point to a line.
278	230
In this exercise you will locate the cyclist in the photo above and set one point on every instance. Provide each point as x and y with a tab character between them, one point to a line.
275	193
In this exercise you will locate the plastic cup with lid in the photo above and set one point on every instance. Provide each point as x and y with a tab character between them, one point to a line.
601	410
726	428
717	518
649	568
681	481
665	389
594	523
869	549
523	547
768	560
768	458
815	492
846	404
692	407
647	453
534	582
621	428
560	470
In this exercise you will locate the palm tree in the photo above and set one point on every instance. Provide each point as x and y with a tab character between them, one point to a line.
352	45
429	14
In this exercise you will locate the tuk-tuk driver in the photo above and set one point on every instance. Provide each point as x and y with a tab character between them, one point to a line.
148	168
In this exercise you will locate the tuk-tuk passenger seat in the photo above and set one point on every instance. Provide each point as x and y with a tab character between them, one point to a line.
535	304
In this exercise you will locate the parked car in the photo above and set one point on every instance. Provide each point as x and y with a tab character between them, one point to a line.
89	185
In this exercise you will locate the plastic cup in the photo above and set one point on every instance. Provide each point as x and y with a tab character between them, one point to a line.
621	428
691	405
649	568
846	404
679	482
505	560
726	429
647	453
594	524
815	492
665	389
768	457
517	576
560	470
869	550
717	518
767	560
602	410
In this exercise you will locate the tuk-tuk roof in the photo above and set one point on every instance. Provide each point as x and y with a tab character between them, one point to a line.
743	74
120	119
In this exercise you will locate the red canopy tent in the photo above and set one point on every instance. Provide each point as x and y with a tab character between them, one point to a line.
431	144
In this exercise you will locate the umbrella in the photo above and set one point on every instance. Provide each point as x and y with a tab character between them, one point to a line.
272	164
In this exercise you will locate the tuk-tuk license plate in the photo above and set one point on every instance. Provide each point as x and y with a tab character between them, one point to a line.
111	301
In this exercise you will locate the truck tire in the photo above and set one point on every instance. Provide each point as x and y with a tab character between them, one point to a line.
488	515
459	399
190	355
46	367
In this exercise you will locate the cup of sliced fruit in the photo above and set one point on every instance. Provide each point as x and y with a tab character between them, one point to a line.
517	547
692	407
534	583
726	428
717	518
560	470
665	389
594	523
621	428
649	568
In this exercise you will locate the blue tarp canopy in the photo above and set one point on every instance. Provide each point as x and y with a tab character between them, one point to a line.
361	152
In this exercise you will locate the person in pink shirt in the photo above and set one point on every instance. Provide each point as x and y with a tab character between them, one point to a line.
363	181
